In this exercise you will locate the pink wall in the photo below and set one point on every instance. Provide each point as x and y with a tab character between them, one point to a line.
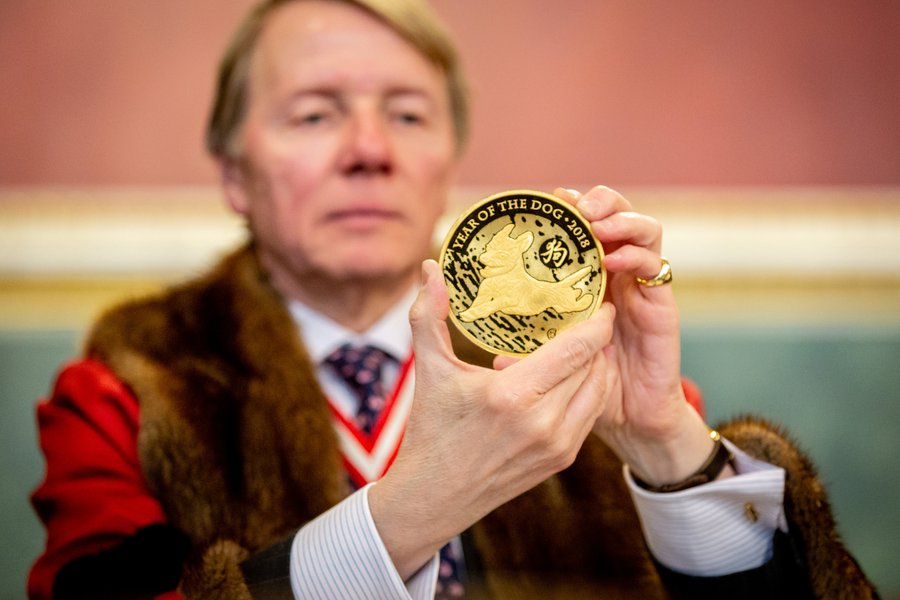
648	92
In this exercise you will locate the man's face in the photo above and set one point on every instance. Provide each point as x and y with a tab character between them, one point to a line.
347	148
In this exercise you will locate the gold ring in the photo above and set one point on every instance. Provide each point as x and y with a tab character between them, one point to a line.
662	278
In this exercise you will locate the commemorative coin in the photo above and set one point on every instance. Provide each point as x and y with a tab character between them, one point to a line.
521	266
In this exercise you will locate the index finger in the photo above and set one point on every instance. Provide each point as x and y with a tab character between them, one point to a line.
598	203
567	353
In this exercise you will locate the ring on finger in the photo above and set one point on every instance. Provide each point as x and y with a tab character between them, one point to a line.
662	278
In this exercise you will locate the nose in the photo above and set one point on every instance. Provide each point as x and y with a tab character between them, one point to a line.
368	149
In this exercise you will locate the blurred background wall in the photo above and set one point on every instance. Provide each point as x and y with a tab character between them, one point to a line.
765	135
649	92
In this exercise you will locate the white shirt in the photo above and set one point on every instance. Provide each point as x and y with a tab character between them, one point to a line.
715	529
322	336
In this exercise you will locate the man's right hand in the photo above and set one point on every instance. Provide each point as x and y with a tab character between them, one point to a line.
477	437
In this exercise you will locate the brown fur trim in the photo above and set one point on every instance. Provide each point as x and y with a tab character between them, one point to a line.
217	576
236	438
834	573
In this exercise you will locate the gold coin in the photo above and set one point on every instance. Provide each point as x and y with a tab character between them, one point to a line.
520	267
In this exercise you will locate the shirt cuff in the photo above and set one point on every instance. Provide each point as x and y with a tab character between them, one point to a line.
339	555
722	527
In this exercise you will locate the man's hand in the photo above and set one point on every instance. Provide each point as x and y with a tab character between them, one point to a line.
477	437
646	419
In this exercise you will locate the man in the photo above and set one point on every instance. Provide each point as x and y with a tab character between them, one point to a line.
200	444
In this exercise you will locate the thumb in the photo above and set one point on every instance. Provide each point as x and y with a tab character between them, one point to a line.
428	315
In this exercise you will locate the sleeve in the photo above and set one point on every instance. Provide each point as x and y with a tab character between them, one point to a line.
719	528
782	577
722	527
93	499
337	555
798	552
815	543
340	555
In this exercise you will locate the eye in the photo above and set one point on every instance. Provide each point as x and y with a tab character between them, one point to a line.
311	111
408	118
408	109
310	119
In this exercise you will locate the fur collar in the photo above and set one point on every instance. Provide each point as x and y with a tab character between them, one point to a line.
236	438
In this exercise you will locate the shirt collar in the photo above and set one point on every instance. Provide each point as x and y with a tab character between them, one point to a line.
322	335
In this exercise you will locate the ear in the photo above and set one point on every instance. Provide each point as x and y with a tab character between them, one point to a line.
525	240
234	184
507	231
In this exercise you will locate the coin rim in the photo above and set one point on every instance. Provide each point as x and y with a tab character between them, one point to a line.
474	207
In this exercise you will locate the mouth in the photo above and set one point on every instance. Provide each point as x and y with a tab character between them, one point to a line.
361	217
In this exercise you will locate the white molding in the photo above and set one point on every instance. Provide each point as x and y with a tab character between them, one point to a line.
806	232
108	232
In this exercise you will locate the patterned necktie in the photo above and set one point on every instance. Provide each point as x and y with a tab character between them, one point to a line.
360	367
449	581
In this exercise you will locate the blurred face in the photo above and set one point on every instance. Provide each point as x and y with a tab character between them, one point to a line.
347	148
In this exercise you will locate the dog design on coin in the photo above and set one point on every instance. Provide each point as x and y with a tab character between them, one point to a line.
508	288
